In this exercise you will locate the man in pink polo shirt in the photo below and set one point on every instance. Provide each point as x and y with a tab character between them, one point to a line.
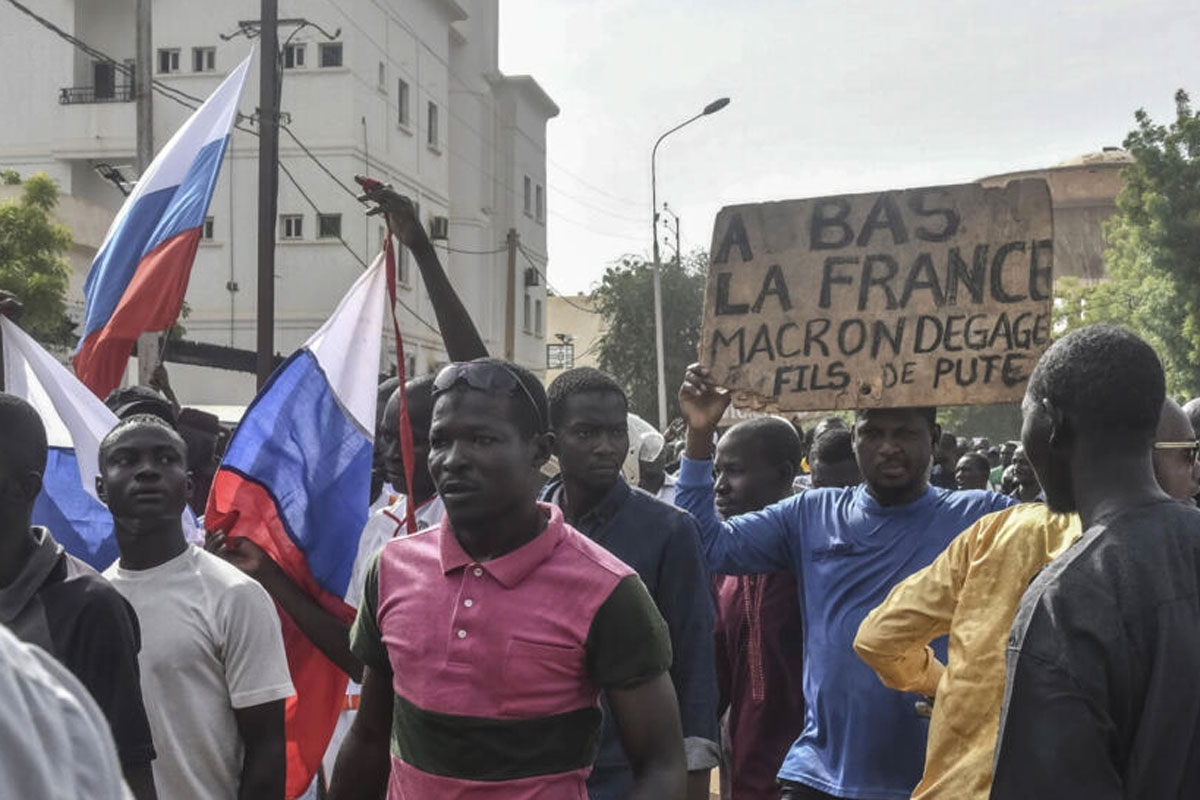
488	639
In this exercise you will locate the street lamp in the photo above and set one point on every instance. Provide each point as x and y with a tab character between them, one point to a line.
711	108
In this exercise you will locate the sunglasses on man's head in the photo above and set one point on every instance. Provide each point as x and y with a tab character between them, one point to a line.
1190	449
486	377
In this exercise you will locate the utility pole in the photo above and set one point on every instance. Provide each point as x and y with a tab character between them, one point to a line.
675	230
268	184
143	88
510	308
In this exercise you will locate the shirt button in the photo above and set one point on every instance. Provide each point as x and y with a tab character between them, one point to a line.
478	572
468	602
462	634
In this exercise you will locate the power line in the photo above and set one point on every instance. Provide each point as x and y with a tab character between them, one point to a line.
465	123
557	293
178	96
317	161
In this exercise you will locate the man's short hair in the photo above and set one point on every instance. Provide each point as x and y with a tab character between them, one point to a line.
578	381
24	436
927	413
135	422
420	397
774	439
979	459
834	446
141	400
383	393
1107	379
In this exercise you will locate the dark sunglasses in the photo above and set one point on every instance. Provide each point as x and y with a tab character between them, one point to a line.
486	377
1191	449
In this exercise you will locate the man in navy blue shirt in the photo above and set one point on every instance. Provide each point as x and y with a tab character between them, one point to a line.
848	548
588	414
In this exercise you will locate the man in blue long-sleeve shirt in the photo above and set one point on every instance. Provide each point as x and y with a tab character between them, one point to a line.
848	548
588	415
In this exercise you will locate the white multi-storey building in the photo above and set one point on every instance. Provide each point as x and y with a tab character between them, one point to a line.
405	91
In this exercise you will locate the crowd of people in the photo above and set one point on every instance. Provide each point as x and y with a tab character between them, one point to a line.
812	614
871	608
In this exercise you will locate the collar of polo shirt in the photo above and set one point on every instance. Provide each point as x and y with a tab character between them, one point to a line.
511	568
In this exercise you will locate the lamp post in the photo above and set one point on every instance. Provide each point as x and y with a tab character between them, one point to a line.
711	108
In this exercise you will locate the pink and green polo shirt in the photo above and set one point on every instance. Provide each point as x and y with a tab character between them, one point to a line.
497	666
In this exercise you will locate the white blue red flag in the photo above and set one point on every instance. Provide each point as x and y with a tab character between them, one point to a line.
296	481
140	274
76	422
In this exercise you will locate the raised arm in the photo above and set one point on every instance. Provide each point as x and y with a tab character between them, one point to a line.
459	334
752	543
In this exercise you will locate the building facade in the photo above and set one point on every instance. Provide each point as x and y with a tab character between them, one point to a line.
1083	194
406	92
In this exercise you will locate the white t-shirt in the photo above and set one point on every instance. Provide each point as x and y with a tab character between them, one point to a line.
54	741
211	643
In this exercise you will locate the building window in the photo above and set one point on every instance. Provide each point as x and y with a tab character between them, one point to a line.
207	232
293	56
204	59
528	314
410	365
331	54
528	195
104	80
537	317
291	226
382	77
433	124
329	226
540	207
402	101
168	61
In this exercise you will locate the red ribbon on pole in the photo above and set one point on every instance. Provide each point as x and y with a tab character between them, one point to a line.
406	438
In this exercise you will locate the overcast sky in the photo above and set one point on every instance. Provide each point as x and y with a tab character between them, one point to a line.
828	96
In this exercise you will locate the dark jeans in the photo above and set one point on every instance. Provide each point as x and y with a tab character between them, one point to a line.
790	790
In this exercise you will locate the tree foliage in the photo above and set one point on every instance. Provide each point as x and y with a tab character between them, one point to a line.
625	299
32	258
1152	253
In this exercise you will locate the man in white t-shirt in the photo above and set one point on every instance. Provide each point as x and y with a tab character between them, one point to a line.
213	671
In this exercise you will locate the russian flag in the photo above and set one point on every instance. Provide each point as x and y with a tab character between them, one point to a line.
140	274
76	422
296	481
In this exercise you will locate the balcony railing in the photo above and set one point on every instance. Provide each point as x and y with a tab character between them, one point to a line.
91	94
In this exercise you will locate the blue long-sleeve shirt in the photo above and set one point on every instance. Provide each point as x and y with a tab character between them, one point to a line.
860	739
661	543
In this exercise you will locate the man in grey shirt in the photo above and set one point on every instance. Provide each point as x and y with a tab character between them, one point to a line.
1100	702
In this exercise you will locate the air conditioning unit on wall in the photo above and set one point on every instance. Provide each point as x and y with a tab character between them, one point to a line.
439	228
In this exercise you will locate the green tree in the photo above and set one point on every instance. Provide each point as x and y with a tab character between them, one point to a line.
1152	253
32	262
625	299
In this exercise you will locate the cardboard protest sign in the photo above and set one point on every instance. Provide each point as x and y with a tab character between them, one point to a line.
933	296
